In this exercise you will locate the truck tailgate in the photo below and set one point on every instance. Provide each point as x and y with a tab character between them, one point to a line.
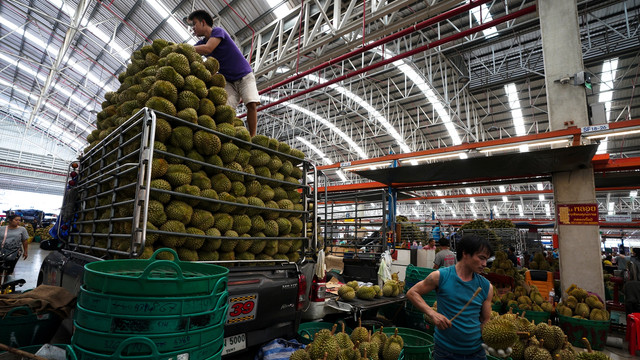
262	298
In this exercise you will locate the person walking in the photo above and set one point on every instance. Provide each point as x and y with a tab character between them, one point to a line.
444	257
458	338
13	237
241	82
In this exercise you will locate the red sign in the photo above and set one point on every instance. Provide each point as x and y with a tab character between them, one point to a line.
578	214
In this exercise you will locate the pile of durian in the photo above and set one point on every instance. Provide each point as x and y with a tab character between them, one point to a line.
410	232
539	262
212	193
521	299
29	228
360	345
502	265
351	290
44	233
482	228
514	336
580	305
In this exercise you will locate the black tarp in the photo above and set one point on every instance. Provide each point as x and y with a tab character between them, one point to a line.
505	166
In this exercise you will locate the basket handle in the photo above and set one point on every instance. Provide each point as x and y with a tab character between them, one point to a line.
138	340
71	355
222	300
221	285
159	263
306	332
28	309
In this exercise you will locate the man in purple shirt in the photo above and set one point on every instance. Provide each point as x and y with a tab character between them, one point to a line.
241	83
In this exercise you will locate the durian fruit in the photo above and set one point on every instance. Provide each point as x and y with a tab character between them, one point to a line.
579	293
350	353
381	338
346	293
344	341
378	291
565	352
300	354
369	347
572	302
536	351
366	293
524	325
325	342
590	354
563	310
353	284
392	347
499	333
359	334
582	310
594	302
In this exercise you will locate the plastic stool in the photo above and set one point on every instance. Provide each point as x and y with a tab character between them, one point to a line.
633	332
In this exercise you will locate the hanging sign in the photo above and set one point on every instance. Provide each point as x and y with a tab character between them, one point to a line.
617	218
578	214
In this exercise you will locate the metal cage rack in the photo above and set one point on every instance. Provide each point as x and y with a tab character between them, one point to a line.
108	206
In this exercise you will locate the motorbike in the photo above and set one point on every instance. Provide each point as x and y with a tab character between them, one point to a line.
8	260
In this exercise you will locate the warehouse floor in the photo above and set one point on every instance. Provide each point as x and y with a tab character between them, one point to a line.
28	270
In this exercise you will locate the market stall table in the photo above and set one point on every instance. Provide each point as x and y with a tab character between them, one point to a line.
358	306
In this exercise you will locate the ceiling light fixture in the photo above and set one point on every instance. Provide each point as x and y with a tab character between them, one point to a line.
423	158
370	109
496	148
613	133
324	158
368	166
325	122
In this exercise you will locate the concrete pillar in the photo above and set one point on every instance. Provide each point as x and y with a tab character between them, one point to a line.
579	245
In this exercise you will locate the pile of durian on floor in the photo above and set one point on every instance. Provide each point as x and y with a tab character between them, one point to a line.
514	336
361	344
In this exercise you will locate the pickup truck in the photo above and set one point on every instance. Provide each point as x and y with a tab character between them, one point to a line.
266	299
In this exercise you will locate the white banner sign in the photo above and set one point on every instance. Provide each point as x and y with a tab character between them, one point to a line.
617	218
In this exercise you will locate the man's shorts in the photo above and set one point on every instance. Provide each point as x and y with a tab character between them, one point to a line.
244	89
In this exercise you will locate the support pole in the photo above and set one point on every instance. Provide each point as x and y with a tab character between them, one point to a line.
579	245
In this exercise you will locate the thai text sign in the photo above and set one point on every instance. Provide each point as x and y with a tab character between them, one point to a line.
578	214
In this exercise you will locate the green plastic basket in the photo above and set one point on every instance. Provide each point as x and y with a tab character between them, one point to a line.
149	324
152	277
306	331
22	327
32	349
416	274
152	306
415	320
417	344
151	352
535	316
576	329
108	343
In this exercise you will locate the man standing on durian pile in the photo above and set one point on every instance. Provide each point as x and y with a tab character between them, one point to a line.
241	83
458	337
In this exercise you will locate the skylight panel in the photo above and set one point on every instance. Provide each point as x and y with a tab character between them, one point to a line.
322	155
609	68
370	109
482	15
326	123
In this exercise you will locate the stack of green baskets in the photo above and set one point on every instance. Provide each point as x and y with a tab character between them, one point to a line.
151	309
414	318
